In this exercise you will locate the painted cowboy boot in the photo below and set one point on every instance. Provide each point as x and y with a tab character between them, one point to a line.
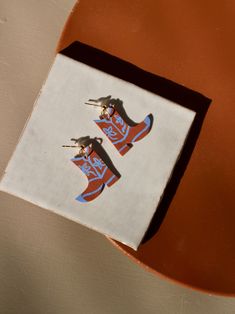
96	171
116	129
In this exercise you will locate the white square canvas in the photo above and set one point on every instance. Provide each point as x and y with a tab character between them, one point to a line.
41	171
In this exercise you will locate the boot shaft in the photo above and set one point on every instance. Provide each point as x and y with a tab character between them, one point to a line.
92	166
115	128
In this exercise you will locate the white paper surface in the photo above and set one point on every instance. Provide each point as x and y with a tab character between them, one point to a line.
41	171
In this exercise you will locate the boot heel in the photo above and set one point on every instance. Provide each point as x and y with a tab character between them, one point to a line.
112	180
123	149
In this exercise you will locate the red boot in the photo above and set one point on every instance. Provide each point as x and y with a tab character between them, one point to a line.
98	175
120	133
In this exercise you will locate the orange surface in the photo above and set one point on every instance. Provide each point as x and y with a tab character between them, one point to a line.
191	43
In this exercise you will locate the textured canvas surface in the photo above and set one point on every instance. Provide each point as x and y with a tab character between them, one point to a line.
41	171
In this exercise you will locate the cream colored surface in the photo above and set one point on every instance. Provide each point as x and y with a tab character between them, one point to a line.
50	265
41	171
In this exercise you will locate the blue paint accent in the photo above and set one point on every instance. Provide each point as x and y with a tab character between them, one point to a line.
110	179
103	173
110	133
94	179
121	149
124	137
109	122
86	169
99	176
147	121
105	169
80	199
98	163
124	128
119	120
90	162
114	125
